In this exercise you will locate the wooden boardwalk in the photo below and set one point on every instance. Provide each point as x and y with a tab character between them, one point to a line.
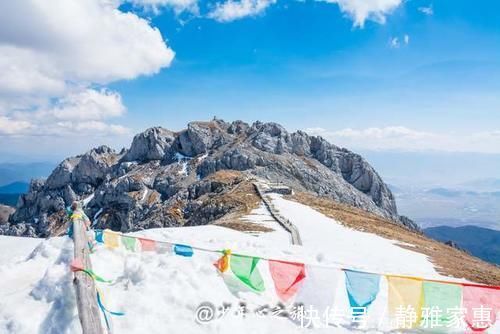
285	223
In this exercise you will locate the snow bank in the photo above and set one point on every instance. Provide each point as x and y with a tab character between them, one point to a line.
161	292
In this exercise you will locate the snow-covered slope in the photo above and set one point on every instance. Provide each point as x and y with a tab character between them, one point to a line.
160	292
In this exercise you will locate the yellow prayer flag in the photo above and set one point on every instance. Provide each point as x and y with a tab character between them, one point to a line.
405	301
111	239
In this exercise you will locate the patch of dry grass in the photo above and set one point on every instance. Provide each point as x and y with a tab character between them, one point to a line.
242	198
243	226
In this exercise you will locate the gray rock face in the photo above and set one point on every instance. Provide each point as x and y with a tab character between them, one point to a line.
164	179
152	144
5	212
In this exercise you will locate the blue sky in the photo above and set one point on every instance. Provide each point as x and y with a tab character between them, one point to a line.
417	75
303	64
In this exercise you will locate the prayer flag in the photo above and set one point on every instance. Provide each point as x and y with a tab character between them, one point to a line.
98	236
318	291
129	243
147	245
183	250
222	264
405	301
439	300
245	268
164	247
111	239
362	288
288	278
482	305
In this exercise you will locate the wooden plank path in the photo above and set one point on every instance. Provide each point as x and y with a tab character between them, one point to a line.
285	223
86	294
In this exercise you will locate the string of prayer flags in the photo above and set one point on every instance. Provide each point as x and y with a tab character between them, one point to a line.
439	299
147	245
288	278
129	243
183	250
362	288
481	307
222	264
405	298
111	239
245	268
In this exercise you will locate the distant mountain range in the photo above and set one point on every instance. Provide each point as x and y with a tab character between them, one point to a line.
9	194
15	188
451	206
481	242
486	184
24	172
456	193
15	178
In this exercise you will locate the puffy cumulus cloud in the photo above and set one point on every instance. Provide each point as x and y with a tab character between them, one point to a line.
233	10
403	138
52	51
71	40
79	113
362	10
85	105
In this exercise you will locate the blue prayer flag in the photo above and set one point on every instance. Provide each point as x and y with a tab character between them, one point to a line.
98	236
183	250
362	288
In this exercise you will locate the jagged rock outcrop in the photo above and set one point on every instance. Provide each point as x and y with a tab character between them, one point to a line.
166	178
152	144
5	212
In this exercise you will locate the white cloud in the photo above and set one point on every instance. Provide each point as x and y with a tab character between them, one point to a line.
12	127
394	43
77	114
86	105
232	10
362	10
427	10
178	6
358	10
403	138
70	40
52	51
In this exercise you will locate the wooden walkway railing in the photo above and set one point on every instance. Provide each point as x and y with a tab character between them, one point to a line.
86	294
285	223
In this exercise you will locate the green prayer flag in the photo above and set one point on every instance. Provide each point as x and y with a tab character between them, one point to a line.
245	268
129	243
440	305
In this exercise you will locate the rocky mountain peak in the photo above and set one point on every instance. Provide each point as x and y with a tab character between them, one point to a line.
152	144
171	178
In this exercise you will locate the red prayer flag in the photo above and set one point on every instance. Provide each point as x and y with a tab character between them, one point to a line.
147	245
287	277
76	265
482	305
